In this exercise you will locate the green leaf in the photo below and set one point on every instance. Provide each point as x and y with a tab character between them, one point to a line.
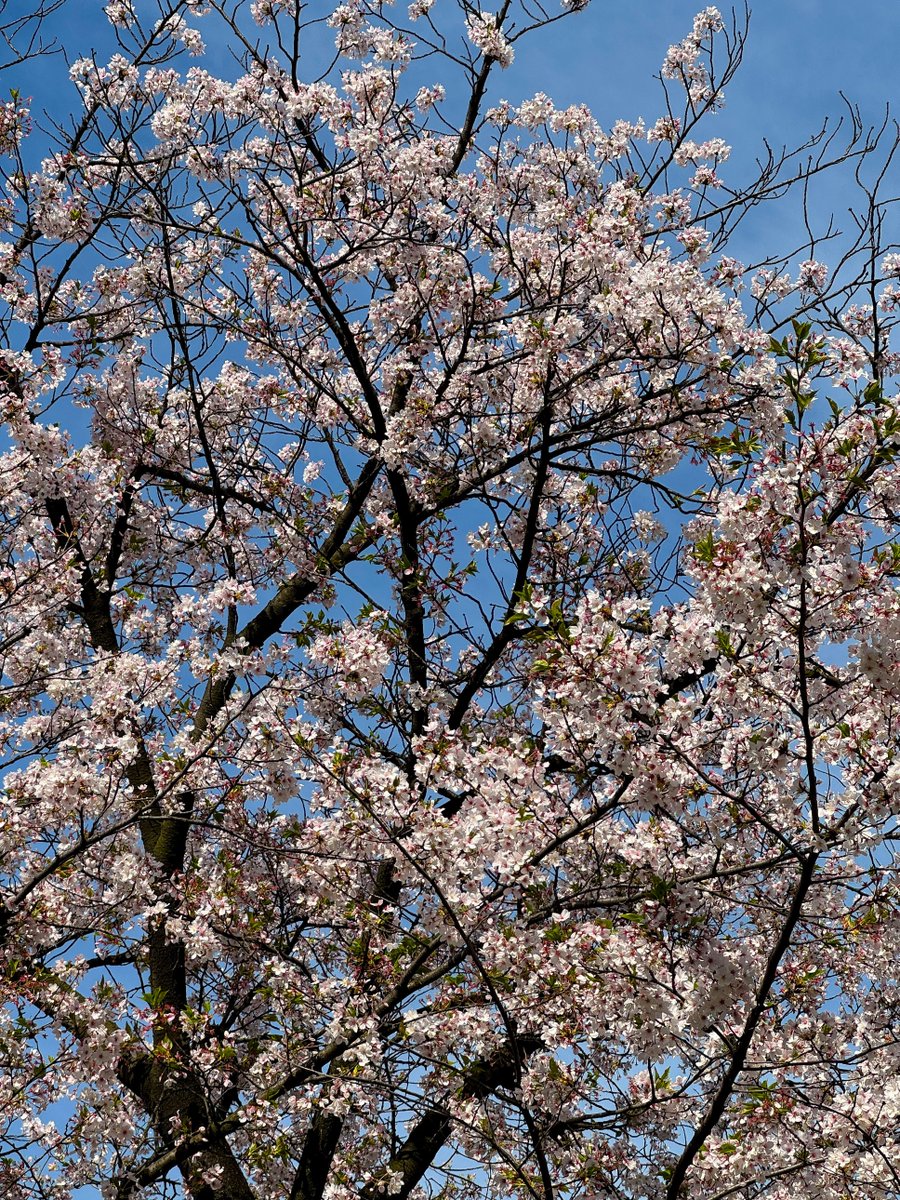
705	548
801	329
723	641
661	888
873	394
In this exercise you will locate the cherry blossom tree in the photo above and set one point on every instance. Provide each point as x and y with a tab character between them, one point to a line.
450	633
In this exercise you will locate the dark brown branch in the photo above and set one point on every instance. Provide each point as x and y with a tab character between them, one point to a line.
742	1046
502	1069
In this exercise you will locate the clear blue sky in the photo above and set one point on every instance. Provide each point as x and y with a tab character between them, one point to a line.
800	55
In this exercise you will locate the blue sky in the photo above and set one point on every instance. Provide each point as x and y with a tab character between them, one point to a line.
800	55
